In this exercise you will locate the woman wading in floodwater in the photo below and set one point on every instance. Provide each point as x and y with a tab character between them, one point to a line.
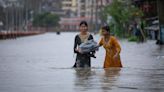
82	59
112	47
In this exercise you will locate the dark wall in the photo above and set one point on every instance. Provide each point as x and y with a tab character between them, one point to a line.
161	11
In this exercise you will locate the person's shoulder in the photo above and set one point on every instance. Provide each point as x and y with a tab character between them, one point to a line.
90	34
77	35
113	38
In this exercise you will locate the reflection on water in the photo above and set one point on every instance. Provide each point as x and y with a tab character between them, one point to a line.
87	79
110	77
112	72
84	77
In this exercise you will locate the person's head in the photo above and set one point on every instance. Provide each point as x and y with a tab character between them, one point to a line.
83	26
105	30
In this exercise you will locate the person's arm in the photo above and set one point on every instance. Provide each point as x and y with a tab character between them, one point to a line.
117	45
75	44
100	42
91	54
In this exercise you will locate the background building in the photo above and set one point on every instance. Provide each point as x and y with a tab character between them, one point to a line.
79	10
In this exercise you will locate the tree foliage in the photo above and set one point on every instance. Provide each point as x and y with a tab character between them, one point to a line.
122	12
46	20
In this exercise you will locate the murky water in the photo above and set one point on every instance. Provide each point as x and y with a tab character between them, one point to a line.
43	64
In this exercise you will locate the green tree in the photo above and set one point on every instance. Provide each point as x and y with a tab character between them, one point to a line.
46	20
122	12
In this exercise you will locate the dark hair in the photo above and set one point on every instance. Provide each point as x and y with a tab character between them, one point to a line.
83	22
107	28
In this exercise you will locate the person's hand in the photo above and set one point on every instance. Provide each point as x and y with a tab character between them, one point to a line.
79	50
116	56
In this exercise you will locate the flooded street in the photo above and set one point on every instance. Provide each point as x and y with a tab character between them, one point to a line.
43	63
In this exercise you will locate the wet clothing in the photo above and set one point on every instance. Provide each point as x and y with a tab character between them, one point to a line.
111	47
82	60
